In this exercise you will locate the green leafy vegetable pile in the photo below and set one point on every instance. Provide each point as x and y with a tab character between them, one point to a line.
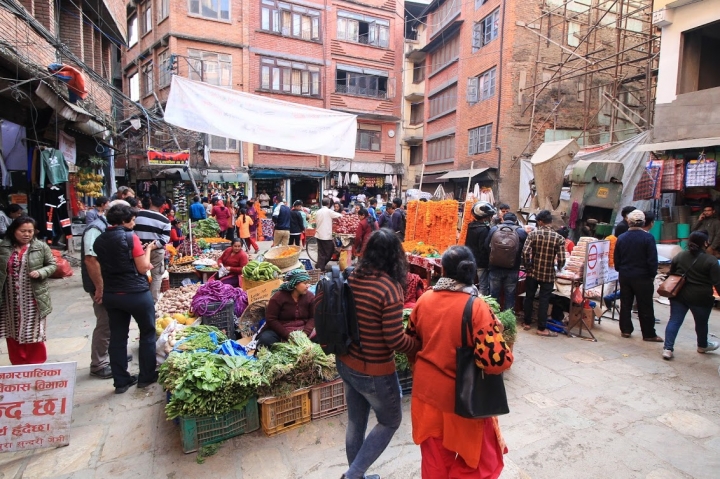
296	364
401	360
207	228
507	318
198	337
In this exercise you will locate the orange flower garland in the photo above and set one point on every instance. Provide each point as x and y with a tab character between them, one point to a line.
467	219
433	223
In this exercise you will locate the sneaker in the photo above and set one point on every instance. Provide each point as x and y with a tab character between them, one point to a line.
712	346
104	373
667	354
122	389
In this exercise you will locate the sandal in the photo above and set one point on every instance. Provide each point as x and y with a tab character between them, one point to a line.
526	327
656	339
547	334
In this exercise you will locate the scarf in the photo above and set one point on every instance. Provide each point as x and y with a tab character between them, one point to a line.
449	284
293	278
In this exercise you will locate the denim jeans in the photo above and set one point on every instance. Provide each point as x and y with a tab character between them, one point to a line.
678	311
546	288
504	280
120	307
363	392
483	281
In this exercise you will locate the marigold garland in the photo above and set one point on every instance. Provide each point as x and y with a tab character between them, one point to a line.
433	223
467	219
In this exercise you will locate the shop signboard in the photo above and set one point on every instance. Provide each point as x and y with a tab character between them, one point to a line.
36	403
262	292
597	265
168	158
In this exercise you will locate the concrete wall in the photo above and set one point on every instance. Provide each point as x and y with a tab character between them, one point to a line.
690	115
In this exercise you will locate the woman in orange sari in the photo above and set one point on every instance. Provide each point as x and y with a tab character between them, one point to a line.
454	446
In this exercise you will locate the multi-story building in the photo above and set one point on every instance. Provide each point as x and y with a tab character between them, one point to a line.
502	76
338	55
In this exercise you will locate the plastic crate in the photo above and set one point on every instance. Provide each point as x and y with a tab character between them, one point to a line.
222	318
201	431
280	415
406	382
220	246
328	399
176	279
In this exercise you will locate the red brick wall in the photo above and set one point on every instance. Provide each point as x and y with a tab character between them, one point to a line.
44	12
71	31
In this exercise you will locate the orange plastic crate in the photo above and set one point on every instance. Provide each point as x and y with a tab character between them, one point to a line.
279	415
328	399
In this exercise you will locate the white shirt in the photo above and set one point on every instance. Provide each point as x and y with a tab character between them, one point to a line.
264	199
323	223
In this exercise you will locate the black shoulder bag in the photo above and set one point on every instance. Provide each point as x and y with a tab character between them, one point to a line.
477	395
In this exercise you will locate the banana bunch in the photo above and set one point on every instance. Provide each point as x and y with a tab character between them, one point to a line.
260	271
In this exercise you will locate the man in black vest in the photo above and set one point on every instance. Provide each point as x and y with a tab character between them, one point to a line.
93	284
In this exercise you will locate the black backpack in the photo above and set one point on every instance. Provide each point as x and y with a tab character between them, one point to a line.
336	323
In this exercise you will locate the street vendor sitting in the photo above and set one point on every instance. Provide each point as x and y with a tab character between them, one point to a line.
290	309
234	260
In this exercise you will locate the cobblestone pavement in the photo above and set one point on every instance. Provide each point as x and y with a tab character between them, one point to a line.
611	409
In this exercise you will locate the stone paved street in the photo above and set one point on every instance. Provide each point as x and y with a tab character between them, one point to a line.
612	409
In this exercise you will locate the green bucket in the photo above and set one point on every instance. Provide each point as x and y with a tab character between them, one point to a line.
655	230
683	230
683	244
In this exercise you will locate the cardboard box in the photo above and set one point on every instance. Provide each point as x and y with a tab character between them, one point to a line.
263	292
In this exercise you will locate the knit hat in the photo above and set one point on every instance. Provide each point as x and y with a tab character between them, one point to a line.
293	278
636	218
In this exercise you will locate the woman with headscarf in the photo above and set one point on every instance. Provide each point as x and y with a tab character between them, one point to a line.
365	228
453	446
290	309
223	215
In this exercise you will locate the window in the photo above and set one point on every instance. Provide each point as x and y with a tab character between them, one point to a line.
134	82
163	10
363	29
270	148
213	9
289	77
362	82
481	87
699	59
447	53
419	72
444	14
165	68
290	20
132	30
479	139
485	31
368	140
443	102
148	82
147	22
573	38
222	144
479	3
416	153
417	113
441	149
209	67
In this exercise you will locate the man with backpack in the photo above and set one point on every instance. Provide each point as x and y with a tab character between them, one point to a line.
505	243
398	219
477	233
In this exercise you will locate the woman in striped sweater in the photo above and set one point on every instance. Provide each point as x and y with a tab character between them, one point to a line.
368	368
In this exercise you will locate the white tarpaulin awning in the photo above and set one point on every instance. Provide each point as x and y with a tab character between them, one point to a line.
257	119
679	145
462	174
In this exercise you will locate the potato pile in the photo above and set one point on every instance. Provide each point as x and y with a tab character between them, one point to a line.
176	300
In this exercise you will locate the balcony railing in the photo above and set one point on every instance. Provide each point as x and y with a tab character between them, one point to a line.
361	91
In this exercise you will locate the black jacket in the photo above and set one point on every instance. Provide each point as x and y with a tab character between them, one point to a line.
636	255
475	240
296	222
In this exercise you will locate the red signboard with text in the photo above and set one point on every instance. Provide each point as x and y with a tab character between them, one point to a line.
176	158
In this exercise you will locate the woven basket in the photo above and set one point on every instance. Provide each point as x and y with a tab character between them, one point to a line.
272	256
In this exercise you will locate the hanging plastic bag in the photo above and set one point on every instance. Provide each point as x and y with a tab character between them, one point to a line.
223	271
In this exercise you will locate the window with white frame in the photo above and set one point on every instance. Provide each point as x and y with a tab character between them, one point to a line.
368	138
148	81
163	10
351	80
290	20
479	139
486	30
164	68
289	77
210	67
132	30
481	87
358	28
220	143
213	9
147	21
134	86
441	149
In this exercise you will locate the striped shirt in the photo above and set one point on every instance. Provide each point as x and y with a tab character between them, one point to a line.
152	225
379	304
541	248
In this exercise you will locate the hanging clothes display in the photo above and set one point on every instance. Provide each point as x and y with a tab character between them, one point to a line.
56	211
52	166
700	172
648	188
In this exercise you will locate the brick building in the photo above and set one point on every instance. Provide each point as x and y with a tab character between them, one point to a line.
340	55
500	77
